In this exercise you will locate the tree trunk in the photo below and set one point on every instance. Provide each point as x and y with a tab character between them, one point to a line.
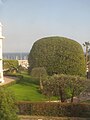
72	96
41	85
61	95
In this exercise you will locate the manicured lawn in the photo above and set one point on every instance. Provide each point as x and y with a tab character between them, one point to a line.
27	90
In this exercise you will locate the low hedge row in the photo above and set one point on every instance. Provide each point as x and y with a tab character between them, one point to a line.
54	109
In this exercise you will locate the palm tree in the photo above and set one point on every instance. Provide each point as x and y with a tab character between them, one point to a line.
86	45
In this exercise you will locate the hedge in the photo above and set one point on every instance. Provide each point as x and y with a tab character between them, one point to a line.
55	109
58	55
8	108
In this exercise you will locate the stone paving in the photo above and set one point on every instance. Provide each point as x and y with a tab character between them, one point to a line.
50	118
7	80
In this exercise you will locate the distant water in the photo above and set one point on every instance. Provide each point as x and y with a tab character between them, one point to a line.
15	56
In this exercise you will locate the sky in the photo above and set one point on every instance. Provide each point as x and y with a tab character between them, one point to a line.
26	21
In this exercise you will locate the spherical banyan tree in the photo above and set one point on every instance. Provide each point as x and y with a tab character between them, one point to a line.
58	55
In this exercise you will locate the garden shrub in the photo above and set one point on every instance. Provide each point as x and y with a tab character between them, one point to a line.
54	109
10	66
64	86
9	63
8	108
40	74
58	55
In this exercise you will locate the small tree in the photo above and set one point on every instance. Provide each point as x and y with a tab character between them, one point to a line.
56	85
10	66
76	85
7	105
59	85
87	50
48	88
39	73
86	45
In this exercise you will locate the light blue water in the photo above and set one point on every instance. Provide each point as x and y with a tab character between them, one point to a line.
15	56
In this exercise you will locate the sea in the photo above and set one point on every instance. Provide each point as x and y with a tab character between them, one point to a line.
15	56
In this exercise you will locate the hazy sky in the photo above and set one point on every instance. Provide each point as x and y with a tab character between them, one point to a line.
25	21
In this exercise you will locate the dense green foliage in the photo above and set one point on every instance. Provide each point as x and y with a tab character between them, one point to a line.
58	55
7	105
54	109
10	65
27	92
39	73
64	86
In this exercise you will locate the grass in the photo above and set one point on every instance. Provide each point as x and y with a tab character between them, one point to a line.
27	89
27	92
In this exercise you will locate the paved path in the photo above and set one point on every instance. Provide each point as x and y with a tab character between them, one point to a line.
7	80
51	118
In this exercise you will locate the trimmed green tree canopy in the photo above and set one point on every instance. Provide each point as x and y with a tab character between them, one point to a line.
58	55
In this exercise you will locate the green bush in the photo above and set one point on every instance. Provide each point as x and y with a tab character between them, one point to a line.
38	72
58	55
64	86
10	66
7	105
54	109
9	63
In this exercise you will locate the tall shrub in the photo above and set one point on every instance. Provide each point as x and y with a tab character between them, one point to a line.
7	105
57	55
39	73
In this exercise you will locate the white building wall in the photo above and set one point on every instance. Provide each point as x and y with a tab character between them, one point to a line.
1	66
23	63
